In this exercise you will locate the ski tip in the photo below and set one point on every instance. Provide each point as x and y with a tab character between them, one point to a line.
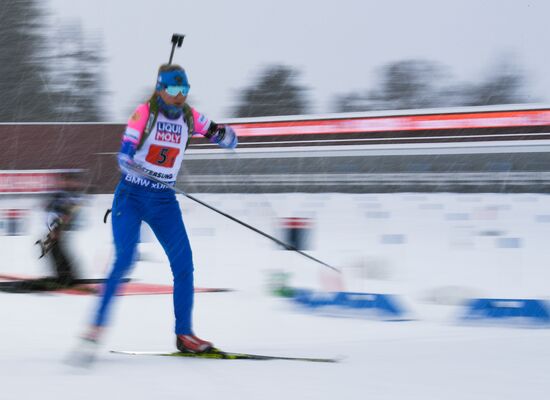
136	353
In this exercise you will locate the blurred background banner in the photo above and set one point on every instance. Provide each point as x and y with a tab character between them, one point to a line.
476	149
34	181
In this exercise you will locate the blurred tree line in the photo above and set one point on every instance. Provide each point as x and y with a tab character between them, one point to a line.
410	84
56	74
47	74
275	92
407	84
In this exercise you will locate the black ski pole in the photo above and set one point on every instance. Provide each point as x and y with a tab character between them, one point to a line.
279	242
177	39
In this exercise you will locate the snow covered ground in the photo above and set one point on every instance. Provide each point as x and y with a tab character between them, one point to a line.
430	250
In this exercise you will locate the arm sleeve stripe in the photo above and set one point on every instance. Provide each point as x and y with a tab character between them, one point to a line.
131	135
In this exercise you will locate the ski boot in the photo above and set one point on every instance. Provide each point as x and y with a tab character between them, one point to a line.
84	355
192	344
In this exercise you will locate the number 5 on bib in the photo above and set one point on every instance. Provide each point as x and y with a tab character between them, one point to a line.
162	156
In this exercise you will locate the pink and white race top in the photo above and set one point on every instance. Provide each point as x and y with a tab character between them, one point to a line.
161	154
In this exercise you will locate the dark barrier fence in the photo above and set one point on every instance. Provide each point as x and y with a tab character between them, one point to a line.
468	150
63	146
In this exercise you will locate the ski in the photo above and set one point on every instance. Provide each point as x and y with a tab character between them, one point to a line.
17	278
218	354
50	285
42	286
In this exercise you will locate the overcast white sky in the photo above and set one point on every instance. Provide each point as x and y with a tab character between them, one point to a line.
337	45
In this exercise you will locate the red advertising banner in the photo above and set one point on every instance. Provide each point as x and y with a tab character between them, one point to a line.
12	182
397	123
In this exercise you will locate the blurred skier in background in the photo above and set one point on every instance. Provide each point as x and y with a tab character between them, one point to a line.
153	144
61	210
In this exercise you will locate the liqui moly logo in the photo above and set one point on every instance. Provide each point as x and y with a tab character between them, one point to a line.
168	132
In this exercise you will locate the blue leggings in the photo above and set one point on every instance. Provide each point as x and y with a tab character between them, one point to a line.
161	211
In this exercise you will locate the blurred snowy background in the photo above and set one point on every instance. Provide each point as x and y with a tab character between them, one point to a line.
428	188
